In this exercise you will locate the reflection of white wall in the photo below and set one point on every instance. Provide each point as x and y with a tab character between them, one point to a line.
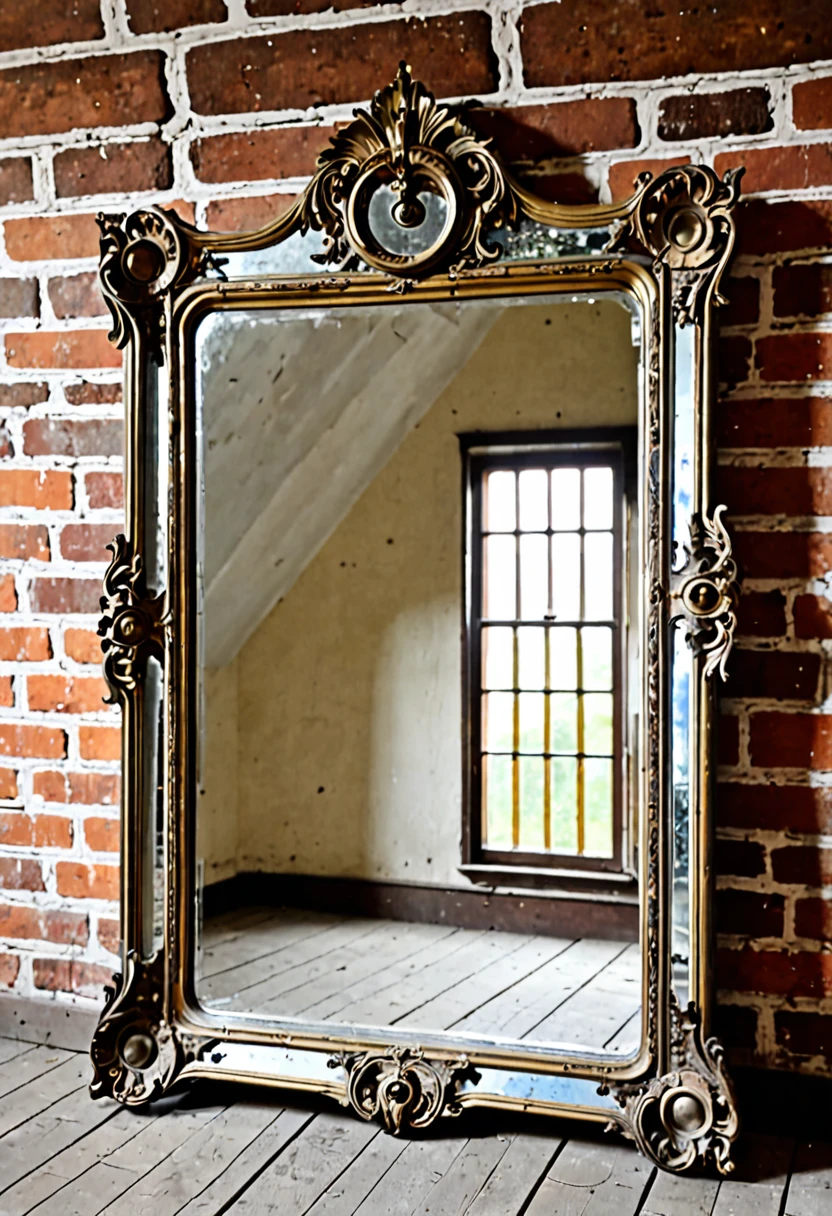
349	691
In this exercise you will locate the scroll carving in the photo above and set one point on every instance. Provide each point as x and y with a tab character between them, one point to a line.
706	589
406	1090
131	627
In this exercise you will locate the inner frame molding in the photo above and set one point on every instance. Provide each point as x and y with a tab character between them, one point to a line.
670	243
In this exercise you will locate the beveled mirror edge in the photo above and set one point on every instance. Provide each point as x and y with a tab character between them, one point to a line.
680	1110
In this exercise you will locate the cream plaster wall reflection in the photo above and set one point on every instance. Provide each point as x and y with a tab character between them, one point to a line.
348	693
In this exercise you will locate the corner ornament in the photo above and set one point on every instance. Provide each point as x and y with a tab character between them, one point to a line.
135	1054
706	590
131	627
406	1090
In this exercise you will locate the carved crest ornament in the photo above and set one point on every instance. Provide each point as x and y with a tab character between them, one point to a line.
680	224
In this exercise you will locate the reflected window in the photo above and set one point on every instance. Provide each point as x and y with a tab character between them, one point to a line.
546	652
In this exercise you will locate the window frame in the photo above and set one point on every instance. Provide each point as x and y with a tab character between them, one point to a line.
482	452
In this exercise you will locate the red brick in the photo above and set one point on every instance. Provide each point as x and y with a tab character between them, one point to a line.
773	674
77	295
783	554
125	168
728	739
574	43
558	187
775	973
787	168
20	874
93	394
762	614
623	173
812	104
78	880
532	133
812	616
109	934
65	349
743	296
19	298
55	21
154	16
733	359
15	178
767	228
46	741
791	740
36	237
803	864
24	542
251	155
24	643
65	595
100	91
739	858
749	913
38	831
796	808
50	785
6	692
9	968
73	437
102	835
59	694
105	490
803	1033
82	645
70	975
64	928
24	393
246	214
775	422
304	68
6	445
45	489
95	789
86	542
100	742
8	783
8	593
715	115
803	290
776	491
813	918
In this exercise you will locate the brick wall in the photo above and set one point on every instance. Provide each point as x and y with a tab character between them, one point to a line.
218	108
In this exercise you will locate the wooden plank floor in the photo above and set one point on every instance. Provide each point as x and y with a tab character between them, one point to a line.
356	970
208	1150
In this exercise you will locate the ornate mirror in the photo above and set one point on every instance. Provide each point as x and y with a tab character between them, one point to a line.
416	629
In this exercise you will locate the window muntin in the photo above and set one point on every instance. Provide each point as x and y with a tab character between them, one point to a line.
547	549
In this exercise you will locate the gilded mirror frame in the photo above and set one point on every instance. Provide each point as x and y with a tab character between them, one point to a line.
669	246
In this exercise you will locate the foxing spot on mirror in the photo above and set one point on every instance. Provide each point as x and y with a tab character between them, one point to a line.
379	844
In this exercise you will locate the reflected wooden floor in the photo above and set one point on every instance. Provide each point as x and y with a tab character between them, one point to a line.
209	1150
360	971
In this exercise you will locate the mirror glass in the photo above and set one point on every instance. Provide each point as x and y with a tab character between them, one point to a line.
419	637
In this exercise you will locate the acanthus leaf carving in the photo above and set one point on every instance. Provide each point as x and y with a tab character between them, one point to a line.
131	626
401	1086
706	590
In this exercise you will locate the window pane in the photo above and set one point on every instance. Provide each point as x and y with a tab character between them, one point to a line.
532	664
564	778
564	711
598	723
597	657
598	575
566	499
531	721
598	498
497	658
563	658
566	577
498	721
534	500
500	575
531	802
496	789
598	814
534	578
500	508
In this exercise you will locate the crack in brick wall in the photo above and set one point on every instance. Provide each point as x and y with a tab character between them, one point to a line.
218	108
